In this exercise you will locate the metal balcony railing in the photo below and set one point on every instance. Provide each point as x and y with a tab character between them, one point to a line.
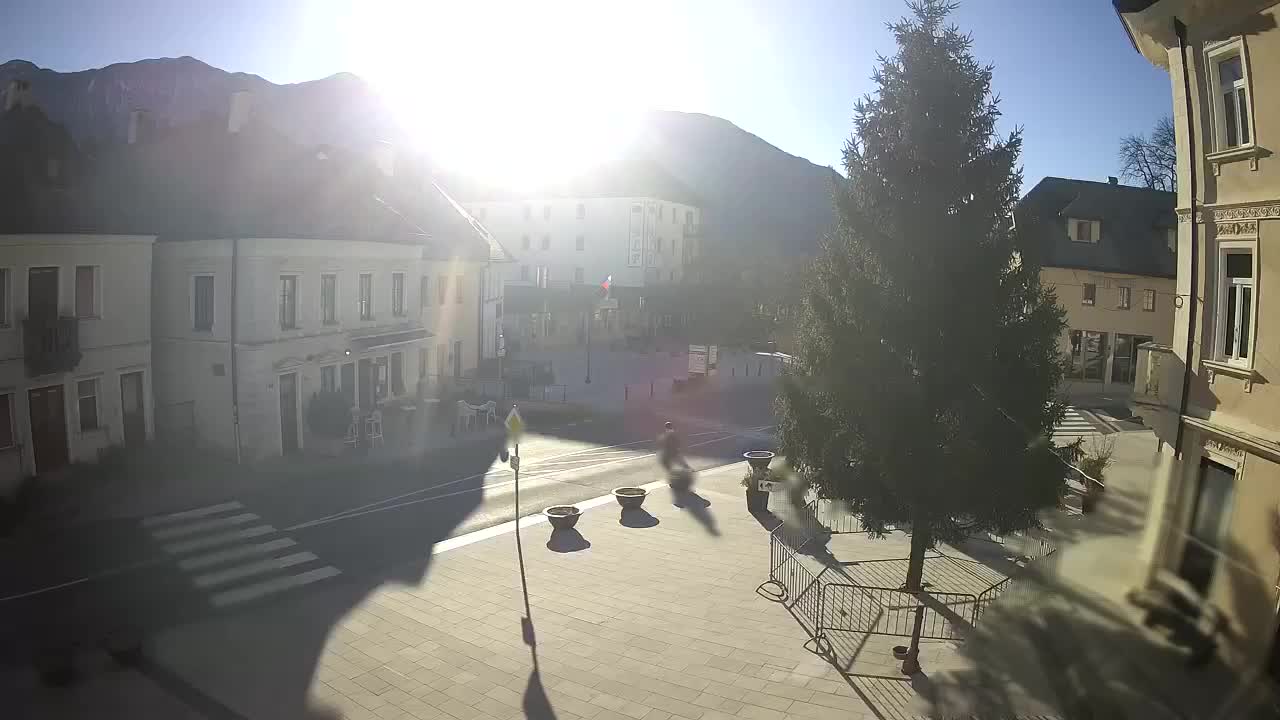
50	344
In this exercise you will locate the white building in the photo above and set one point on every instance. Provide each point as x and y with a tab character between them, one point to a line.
75	349
641	237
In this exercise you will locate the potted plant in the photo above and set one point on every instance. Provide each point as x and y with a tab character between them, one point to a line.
1093	465
757	499
630	498
329	416
562	517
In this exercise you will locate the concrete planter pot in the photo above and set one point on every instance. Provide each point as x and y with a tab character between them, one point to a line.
900	652
758	459
757	501
562	517
630	498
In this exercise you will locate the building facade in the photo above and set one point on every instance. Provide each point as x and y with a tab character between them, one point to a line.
75	349
1109	251
1212	395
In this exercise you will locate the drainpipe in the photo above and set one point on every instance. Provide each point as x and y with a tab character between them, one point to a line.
235	374
1181	30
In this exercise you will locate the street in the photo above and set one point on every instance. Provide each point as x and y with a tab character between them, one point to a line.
145	574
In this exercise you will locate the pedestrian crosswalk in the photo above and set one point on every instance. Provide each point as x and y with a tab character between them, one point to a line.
1074	424
232	555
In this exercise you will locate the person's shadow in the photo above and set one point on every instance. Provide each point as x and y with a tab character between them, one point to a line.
697	506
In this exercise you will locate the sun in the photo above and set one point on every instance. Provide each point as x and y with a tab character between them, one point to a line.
515	93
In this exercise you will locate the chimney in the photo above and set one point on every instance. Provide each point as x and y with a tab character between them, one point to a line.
18	94
139	125
384	156
238	117
1112	179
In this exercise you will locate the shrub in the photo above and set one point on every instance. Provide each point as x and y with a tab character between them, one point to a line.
329	414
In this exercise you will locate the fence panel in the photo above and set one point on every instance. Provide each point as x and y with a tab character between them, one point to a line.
837	518
801	591
891	611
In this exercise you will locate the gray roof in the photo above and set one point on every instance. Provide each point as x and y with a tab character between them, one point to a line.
1134	226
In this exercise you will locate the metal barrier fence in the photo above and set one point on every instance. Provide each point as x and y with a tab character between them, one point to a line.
798	588
892	611
837	519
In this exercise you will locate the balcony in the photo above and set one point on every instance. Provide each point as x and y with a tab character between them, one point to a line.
50	344
1157	383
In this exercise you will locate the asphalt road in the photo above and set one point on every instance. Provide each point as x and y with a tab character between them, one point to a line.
379	525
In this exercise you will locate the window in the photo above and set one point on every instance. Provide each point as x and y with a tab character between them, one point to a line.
544	276
7	439
397	294
329	378
1084	231
329	299
546	212
288	302
1209	516
662	212
657	245
86	291
4	299
582	211
87	392
457	289
524	242
580	243
528	212
524	272
671	276
442	289
1230	87
1149	300
546	242
1124	299
397	373
202	303
1171	239
688	217
1235	305
424	291
422	362
366	296
1090	294
578	274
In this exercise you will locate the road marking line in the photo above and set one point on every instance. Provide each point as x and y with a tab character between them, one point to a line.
250	592
214	540
251	569
199	527
243	551
190	514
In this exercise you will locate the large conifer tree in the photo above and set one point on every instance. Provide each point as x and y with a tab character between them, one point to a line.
928	349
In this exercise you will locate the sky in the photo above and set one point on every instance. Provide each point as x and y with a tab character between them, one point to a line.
504	85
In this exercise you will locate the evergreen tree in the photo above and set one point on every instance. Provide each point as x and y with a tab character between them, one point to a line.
928	349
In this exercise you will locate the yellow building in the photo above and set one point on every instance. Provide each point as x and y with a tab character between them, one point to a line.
1109	252
1212	396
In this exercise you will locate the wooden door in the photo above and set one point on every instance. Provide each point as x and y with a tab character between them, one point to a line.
48	428
133	409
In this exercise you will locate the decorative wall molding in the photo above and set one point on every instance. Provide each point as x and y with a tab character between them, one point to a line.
1236	228
1267	210
1224	449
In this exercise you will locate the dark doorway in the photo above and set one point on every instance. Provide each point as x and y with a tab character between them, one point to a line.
349	383
48	428
133	408
289	413
366	384
42	292
457	358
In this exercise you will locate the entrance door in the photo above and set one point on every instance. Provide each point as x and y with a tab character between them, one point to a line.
134	409
42	292
48	428
349	383
366	384
289	413
457	358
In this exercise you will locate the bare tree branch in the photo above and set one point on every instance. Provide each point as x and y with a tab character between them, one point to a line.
1151	161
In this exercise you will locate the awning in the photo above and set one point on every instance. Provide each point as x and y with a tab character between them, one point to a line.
382	340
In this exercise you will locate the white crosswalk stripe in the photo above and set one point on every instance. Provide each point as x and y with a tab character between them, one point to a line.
233	553
1073	425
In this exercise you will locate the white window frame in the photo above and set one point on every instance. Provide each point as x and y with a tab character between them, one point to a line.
1124	297
366	313
1220	329
1148	294
458	285
579	275
398	307
424	291
13	427
97	404
1084	294
96	310
213	306
1073	230
1214	56
337	318
297	292
6	302
1171	239
580	243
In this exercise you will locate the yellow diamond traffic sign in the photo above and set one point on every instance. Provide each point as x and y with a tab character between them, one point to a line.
515	425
